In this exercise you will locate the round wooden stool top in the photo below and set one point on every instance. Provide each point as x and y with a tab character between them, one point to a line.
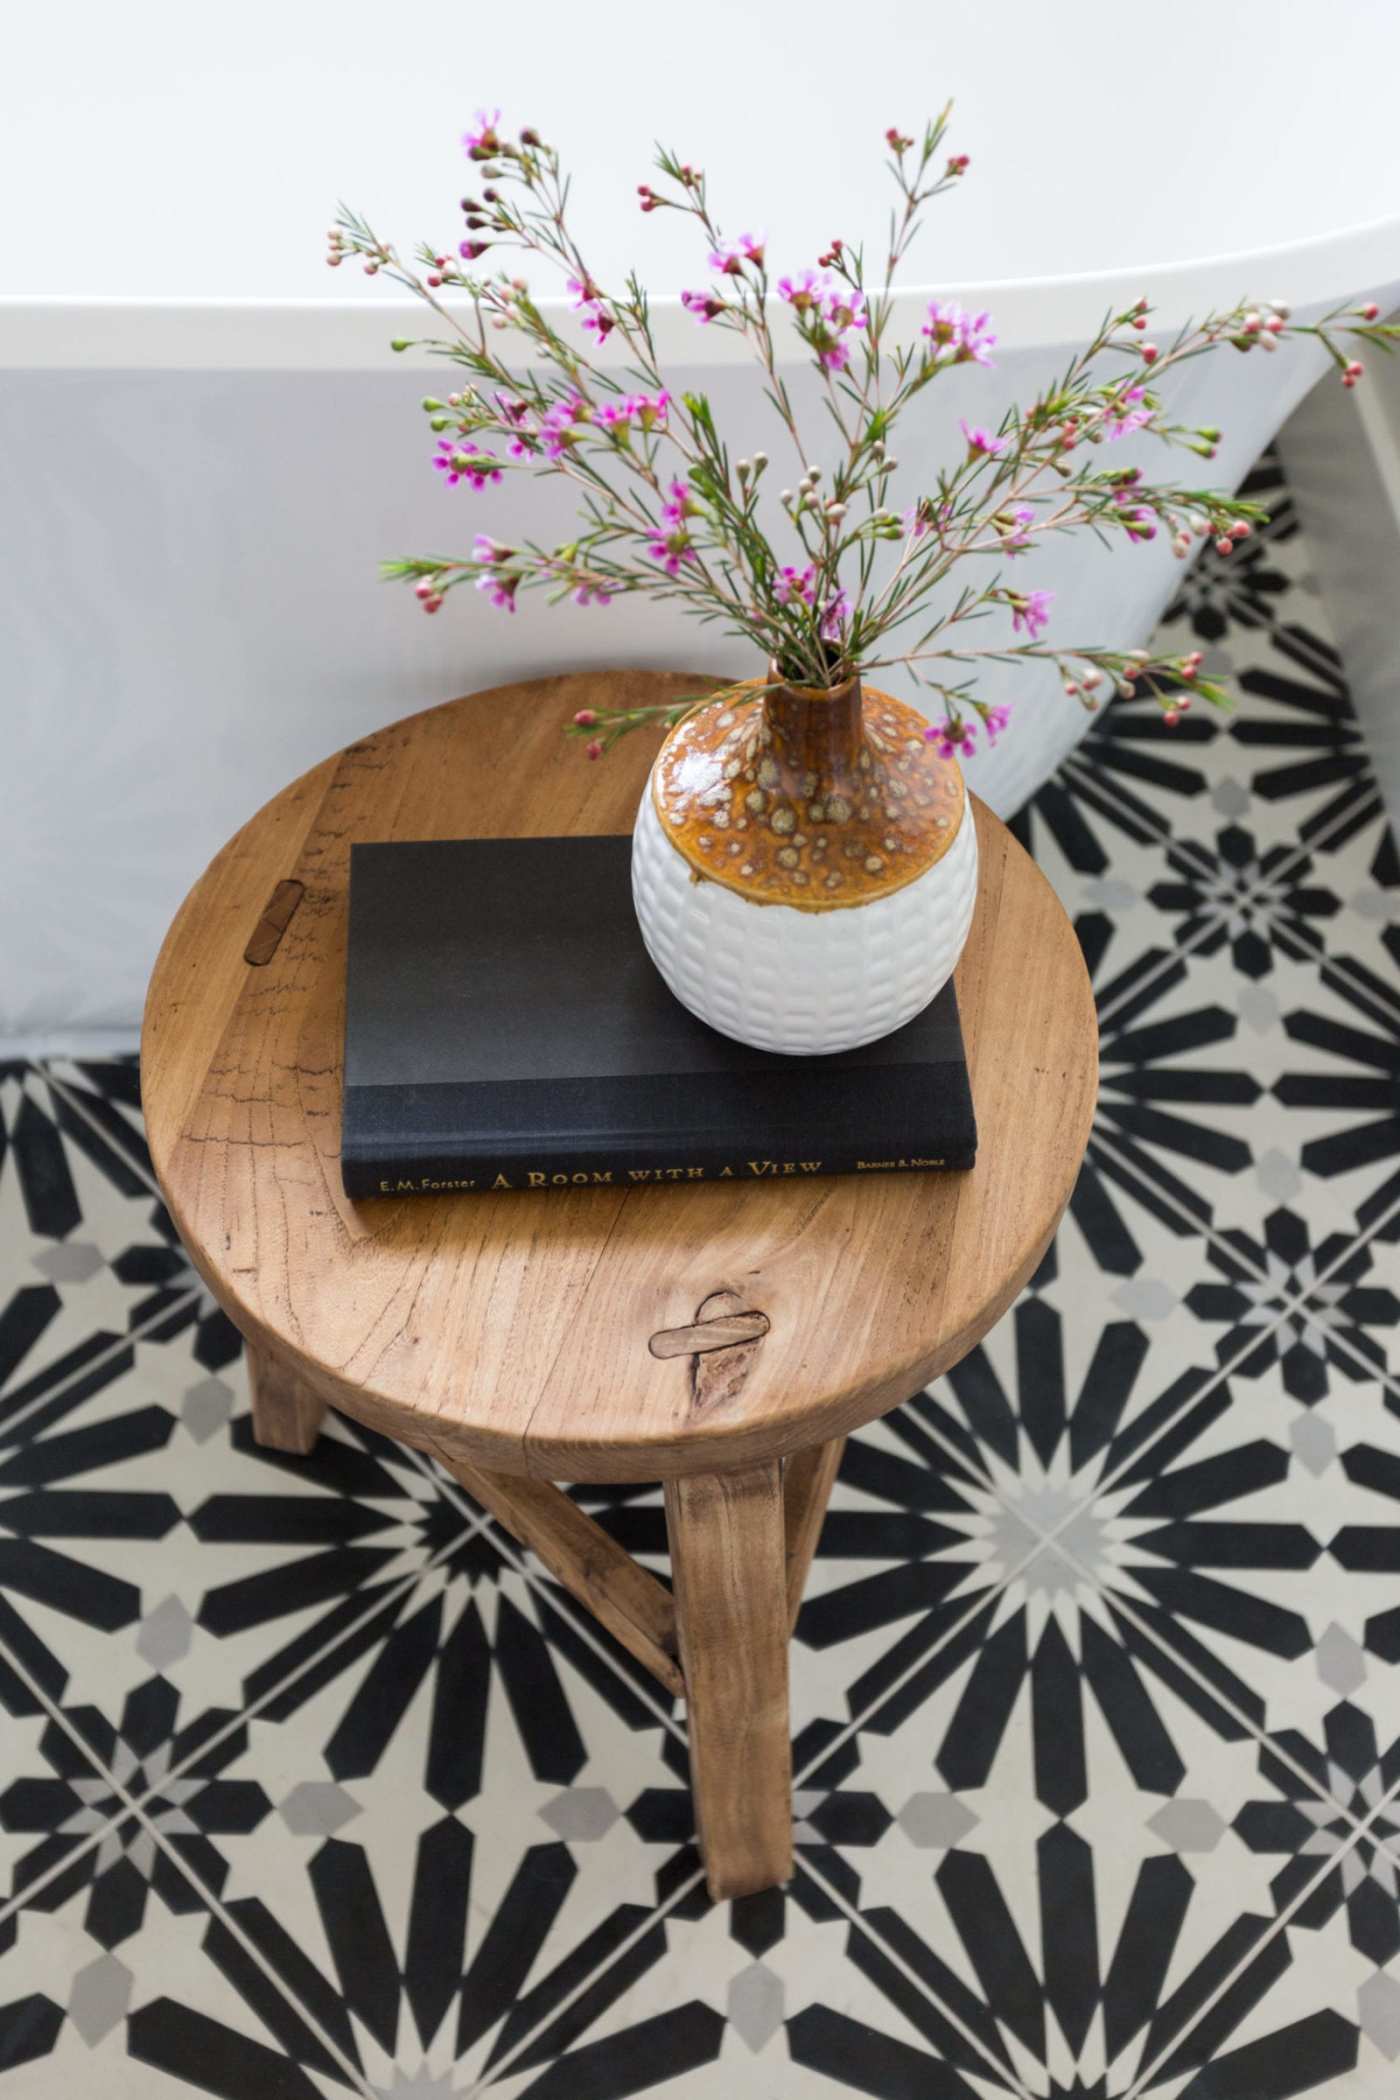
561	1334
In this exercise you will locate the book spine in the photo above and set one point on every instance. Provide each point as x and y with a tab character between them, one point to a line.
425	1176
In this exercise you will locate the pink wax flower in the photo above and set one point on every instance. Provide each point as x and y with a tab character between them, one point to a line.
517	415
958	337
955	738
681	505
981	442
845	309
483	139
454	461
704	305
557	424
921	517
593	594
1121	418
485	549
671	549
731	256
790	583
994	720
650	410
500	590
1014	528
615	416
835	614
1030	611
588	304
808	292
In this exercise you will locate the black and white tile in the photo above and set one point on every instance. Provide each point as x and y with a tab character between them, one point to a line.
311	1784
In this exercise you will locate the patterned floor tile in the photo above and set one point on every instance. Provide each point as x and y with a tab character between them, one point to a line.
312	1784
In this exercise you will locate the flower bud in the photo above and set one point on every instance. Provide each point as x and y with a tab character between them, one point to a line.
585	718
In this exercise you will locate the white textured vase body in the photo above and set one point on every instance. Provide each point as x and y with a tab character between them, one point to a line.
807	977
801	982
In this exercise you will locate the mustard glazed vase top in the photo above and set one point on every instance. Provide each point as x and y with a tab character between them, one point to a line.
804	864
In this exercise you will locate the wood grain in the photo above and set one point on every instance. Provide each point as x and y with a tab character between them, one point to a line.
808	1478
287	1415
870	1285
726	1533
636	1609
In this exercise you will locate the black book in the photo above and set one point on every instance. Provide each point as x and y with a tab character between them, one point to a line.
505	1028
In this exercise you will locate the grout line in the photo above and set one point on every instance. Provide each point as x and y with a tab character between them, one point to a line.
1003	2070
1283	872
655	1916
251	1710
1051	1537
1330	1865
212	1902
85	1370
1129	1605
997	1587
1215	1235
21	1901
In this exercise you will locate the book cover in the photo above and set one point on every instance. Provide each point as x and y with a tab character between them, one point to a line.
505	1029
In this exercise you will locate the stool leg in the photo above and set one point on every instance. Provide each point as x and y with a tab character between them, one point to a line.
808	1478
286	1413
728	1566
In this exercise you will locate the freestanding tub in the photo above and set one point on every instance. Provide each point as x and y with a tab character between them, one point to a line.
206	452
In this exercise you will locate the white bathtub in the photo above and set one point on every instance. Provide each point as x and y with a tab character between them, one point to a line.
207	445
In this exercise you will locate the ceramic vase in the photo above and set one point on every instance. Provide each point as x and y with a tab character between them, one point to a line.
804	865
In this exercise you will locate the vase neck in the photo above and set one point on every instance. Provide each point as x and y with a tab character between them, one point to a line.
816	729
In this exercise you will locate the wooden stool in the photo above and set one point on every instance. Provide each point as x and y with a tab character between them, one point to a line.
721	1337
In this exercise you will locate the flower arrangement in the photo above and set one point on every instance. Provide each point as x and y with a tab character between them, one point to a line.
664	508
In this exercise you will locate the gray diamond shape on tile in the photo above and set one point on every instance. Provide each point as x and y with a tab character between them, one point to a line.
936	1821
205	1408
1145	1298
1378	2003
582	1815
1258	1008
318	1808
101	1993
1277	1175
165	1634
1188	1826
755	2005
1314	1443
1340	1662
1230	798
73	1262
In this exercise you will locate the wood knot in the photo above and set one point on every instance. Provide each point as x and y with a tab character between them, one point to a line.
721	1342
